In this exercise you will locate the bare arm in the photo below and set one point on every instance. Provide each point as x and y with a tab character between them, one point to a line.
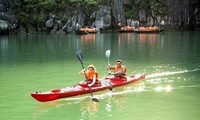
110	67
93	81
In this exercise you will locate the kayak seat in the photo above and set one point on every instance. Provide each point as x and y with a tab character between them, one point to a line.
55	91
119	78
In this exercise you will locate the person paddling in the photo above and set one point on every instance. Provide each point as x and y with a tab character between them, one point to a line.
119	70
92	76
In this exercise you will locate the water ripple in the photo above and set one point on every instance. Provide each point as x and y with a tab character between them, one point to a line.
170	73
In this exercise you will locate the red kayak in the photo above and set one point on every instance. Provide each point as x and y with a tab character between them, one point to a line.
80	89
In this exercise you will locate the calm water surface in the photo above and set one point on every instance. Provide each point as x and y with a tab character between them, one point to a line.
171	60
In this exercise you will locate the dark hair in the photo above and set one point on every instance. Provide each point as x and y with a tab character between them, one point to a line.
119	61
91	67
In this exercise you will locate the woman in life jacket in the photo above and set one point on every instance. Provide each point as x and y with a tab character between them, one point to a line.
92	76
119	70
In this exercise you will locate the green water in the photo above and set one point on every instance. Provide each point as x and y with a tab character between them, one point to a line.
171	60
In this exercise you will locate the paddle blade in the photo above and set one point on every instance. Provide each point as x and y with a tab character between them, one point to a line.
108	53
110	86
95	100
79	56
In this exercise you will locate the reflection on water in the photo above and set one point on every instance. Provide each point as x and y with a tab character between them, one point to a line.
163	77
4	47
88	37
150	37
88	110
161	71
108	107
125	37
165	88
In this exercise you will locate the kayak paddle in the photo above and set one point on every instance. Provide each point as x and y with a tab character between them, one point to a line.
108	55
80	58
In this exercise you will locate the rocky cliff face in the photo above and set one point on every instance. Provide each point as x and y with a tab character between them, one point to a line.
104	16
8	22
107	16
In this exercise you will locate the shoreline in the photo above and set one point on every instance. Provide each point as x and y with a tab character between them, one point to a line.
73	32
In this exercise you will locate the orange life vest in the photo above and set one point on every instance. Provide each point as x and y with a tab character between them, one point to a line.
117	69
90	78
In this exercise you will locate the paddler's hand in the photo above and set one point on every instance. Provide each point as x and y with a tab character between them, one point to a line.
111	73
82	72
108	67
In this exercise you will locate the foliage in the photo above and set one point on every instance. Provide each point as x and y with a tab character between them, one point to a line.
151	6
86	2
129	13
23	18
197	2
29	11
21	15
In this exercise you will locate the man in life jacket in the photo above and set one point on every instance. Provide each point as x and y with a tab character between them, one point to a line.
119	70
91	75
